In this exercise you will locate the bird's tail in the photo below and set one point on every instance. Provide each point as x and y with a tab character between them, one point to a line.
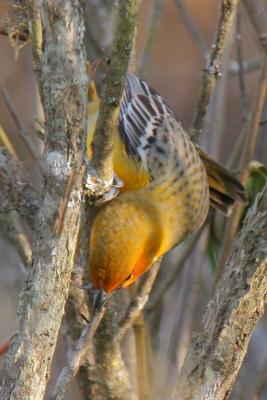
225	188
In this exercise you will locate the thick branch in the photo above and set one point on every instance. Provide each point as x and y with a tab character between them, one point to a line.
42	302
212	71
101	175
218	349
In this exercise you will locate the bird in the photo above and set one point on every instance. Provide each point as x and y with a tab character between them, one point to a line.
168	185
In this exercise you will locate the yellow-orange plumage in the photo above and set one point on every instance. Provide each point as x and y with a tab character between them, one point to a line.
166	193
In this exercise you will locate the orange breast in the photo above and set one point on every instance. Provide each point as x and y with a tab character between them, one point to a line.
125	239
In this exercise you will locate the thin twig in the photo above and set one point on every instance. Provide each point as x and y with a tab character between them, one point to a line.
154	22
7	144
21	195
140	332
29	142
257	13
75	359
186	303
15	231
137	303
241	75
171	275
193	29
212	71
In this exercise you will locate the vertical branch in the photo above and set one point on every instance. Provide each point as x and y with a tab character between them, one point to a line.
212	71
140	331
101	173
241	75
42	302
99	181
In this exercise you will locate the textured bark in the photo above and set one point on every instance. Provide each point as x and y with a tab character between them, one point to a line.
218	349
114	376
101	174
42	302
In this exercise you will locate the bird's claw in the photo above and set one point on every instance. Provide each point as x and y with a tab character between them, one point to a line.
97	189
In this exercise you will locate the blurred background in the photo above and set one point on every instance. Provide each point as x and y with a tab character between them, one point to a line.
169	58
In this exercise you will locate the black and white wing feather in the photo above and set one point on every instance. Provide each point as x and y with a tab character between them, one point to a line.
142	113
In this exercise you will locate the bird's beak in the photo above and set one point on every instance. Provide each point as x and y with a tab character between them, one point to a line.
99	299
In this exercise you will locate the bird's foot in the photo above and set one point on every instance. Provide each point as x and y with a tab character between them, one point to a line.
101	191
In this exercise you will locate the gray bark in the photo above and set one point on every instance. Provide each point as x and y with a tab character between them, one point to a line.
42	302
218	349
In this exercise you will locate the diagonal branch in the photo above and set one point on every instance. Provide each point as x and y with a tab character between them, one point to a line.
138	302
218	349
192	28
83	345
257	13
154	23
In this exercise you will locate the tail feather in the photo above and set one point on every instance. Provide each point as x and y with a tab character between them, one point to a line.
225	189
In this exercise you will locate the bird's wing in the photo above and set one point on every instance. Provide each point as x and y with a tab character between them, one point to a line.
142	116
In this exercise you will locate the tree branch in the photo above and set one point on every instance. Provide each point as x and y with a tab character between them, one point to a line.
137	303
83	345
101	167
100	175
171	275
251	134
218	349
42	302
212	71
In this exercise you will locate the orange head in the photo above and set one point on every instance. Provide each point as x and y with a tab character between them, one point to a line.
125	241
